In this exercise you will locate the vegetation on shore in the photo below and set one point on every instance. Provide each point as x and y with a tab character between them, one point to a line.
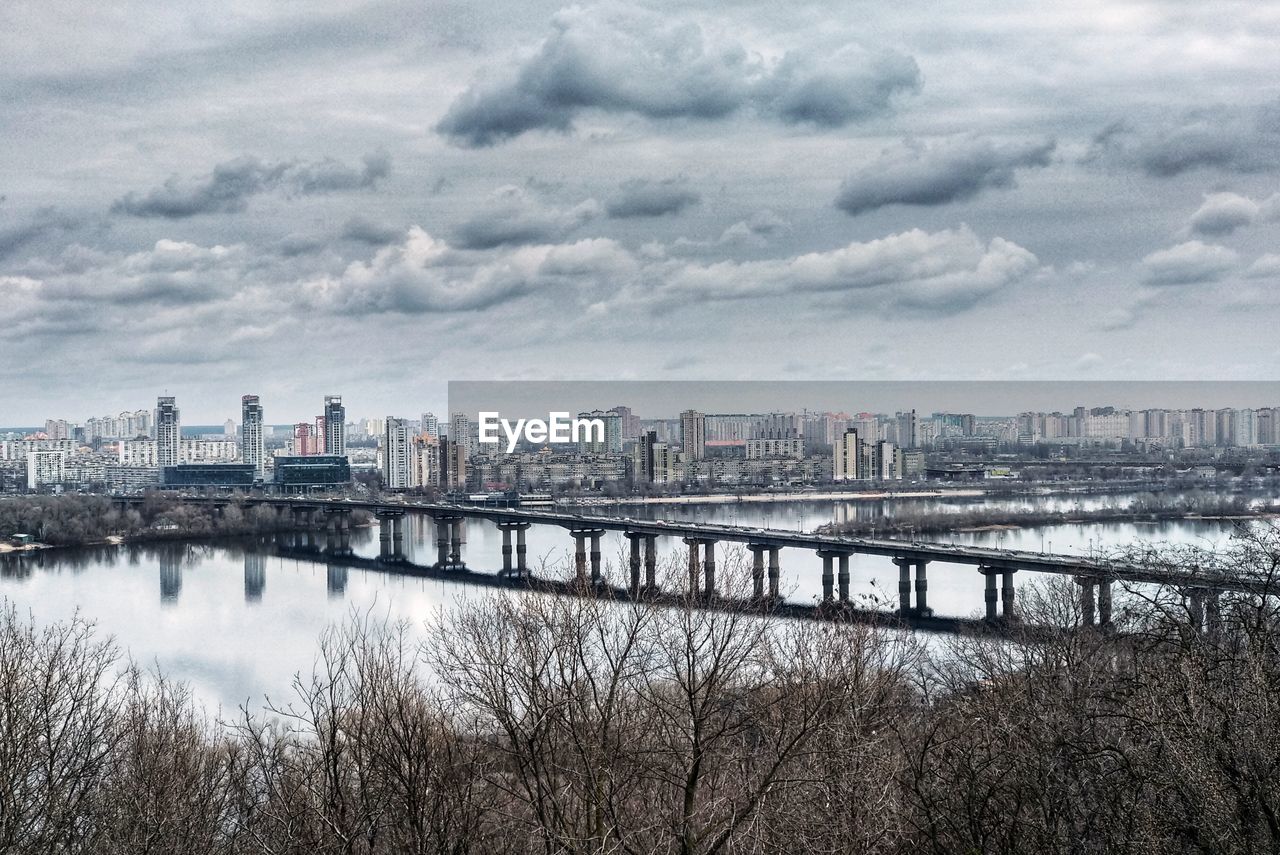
518	723
74	520
917	522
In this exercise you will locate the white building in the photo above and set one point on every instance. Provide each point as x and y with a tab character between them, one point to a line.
396	453
45	467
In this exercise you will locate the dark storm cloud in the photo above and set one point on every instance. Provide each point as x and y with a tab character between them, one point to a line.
1239	139
952	171
511	216
364	230
228	188
643	198
641	64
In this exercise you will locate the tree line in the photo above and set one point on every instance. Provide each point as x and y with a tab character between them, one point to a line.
73	520
523	722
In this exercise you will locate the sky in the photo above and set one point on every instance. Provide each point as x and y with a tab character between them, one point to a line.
295	199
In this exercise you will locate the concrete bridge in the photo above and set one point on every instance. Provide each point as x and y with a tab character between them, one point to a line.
998	568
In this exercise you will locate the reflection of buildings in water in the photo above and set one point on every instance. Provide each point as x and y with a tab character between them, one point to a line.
337	579
170	575
255	576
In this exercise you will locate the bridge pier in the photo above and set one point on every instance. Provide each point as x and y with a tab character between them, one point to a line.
1087	600
1004	594
391	536
775	574
1213	615
455	545
844	577
829	557
336	580
580	537
757	570
904	585
709	569
651	563
694	569
521	566
922	589
1104	603
633	565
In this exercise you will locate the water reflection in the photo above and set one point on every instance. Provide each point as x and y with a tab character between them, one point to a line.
255	576
213	624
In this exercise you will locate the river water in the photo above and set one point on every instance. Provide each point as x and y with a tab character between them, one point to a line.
237	620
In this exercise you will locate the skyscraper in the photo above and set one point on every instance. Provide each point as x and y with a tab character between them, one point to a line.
252	442
335	426
396	457
846	457
431	425
693	434
168	431
460	431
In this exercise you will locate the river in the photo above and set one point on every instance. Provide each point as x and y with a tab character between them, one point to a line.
237	621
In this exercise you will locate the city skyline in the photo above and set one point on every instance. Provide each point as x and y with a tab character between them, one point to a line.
546	190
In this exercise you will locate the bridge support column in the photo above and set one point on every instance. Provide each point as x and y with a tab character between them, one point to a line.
1088	611
775	574
828	576
336	580
455	544
384	538
506	549
506	527
596	577
844	577
992	596
694	570
397	538
634	564
1104	603
522	550
922	589
442	542
709	569
1213	615
1007	592
757	570
904	585
580	556
651	563
1195	606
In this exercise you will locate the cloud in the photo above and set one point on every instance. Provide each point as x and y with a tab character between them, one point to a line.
638	63
643	198
932	273
851	85
760	226
422	274
955	170
511	216
228	188
364	230
1238	139
1223	213
1188	263
1267	266
43	222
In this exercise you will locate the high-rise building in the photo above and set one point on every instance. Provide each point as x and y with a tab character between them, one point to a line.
693	434
460	431
846	457
396	454
168	431
229	429
591	442
252	442
305	441
652	461
335	426
431	425
628	423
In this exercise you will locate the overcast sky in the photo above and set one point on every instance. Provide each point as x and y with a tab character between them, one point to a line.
298	198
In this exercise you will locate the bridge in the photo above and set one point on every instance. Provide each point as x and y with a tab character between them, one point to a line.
998	567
